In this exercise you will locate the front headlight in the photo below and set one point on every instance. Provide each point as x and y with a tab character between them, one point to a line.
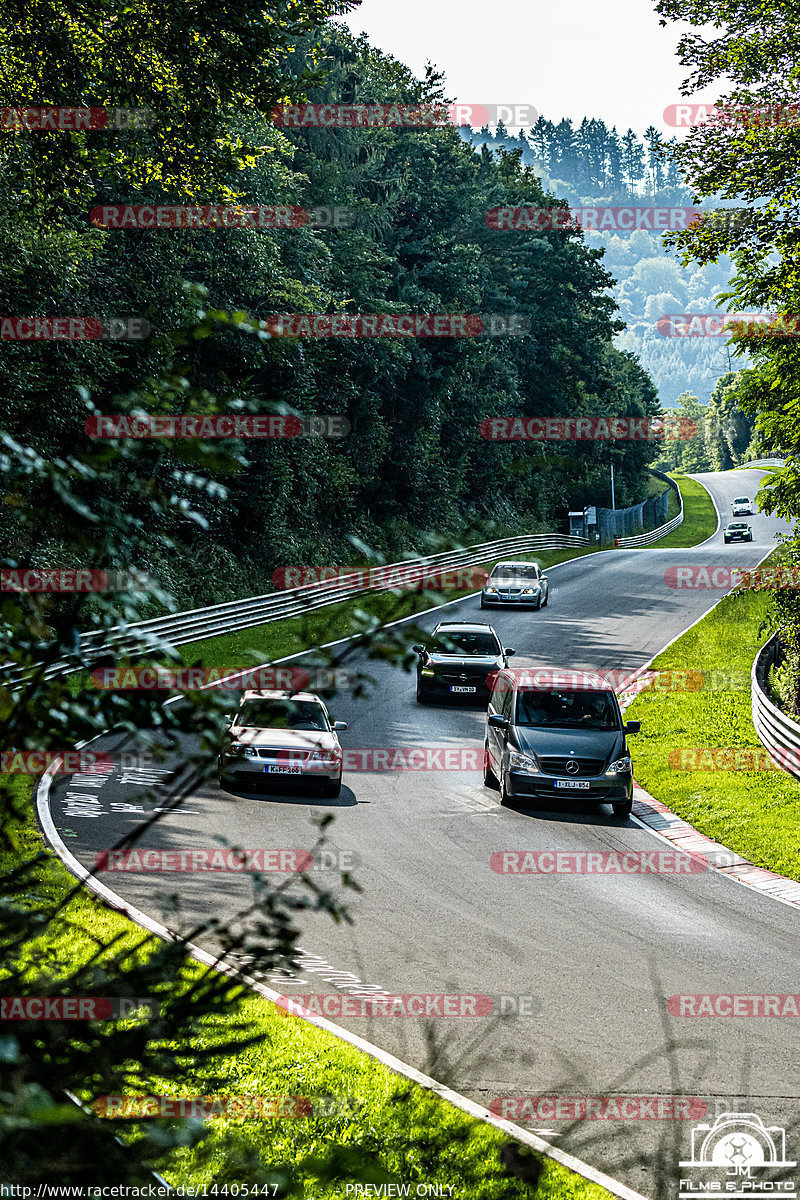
427	671
530	591
325	758
621	767
490	591
523	762
245	749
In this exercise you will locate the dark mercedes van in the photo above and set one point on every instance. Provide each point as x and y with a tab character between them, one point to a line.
552	735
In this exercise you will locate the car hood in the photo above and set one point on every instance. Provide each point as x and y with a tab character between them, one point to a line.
577	743
511	581
296	739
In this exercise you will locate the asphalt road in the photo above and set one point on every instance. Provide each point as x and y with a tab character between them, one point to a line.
598	953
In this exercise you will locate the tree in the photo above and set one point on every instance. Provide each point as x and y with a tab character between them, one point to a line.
632	160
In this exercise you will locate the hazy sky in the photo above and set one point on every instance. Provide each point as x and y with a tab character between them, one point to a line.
570	59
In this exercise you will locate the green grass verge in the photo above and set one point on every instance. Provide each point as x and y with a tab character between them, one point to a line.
755	812
383	1127
700	516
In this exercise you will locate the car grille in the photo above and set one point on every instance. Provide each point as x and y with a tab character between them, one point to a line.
290	756
470	678
586	766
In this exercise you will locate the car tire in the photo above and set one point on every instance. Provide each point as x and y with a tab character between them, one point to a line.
422	697
624	809
538	603
489	777
483	603
332	789
726	540
506	799
546	598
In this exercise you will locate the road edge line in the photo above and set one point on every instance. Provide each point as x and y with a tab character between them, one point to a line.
471	1107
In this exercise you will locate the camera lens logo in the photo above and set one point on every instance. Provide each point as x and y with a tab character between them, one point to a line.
740	1147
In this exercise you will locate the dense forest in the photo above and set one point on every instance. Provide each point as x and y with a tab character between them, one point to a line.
417	243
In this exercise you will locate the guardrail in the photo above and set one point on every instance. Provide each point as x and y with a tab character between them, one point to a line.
761	462
197	624
645	539
779	733
200	623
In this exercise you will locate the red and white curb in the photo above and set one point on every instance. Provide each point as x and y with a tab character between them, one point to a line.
662	821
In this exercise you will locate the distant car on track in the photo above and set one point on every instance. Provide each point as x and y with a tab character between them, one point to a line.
742	507
556	738
283	736
515	583
737	531
461	661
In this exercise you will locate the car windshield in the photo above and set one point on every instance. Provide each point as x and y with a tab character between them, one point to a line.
515	571
281	714
462	642
567	710
733	527
742	500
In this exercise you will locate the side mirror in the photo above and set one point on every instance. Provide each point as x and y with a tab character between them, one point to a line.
496	721
509	650
339	726
418	649
632	726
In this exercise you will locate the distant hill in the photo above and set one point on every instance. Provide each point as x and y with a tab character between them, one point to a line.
592	165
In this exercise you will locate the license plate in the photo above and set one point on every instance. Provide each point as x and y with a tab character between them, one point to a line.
583	784
283	770
463	689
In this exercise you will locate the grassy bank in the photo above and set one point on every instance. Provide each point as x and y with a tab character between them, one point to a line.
755	812
378	1127
700	516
